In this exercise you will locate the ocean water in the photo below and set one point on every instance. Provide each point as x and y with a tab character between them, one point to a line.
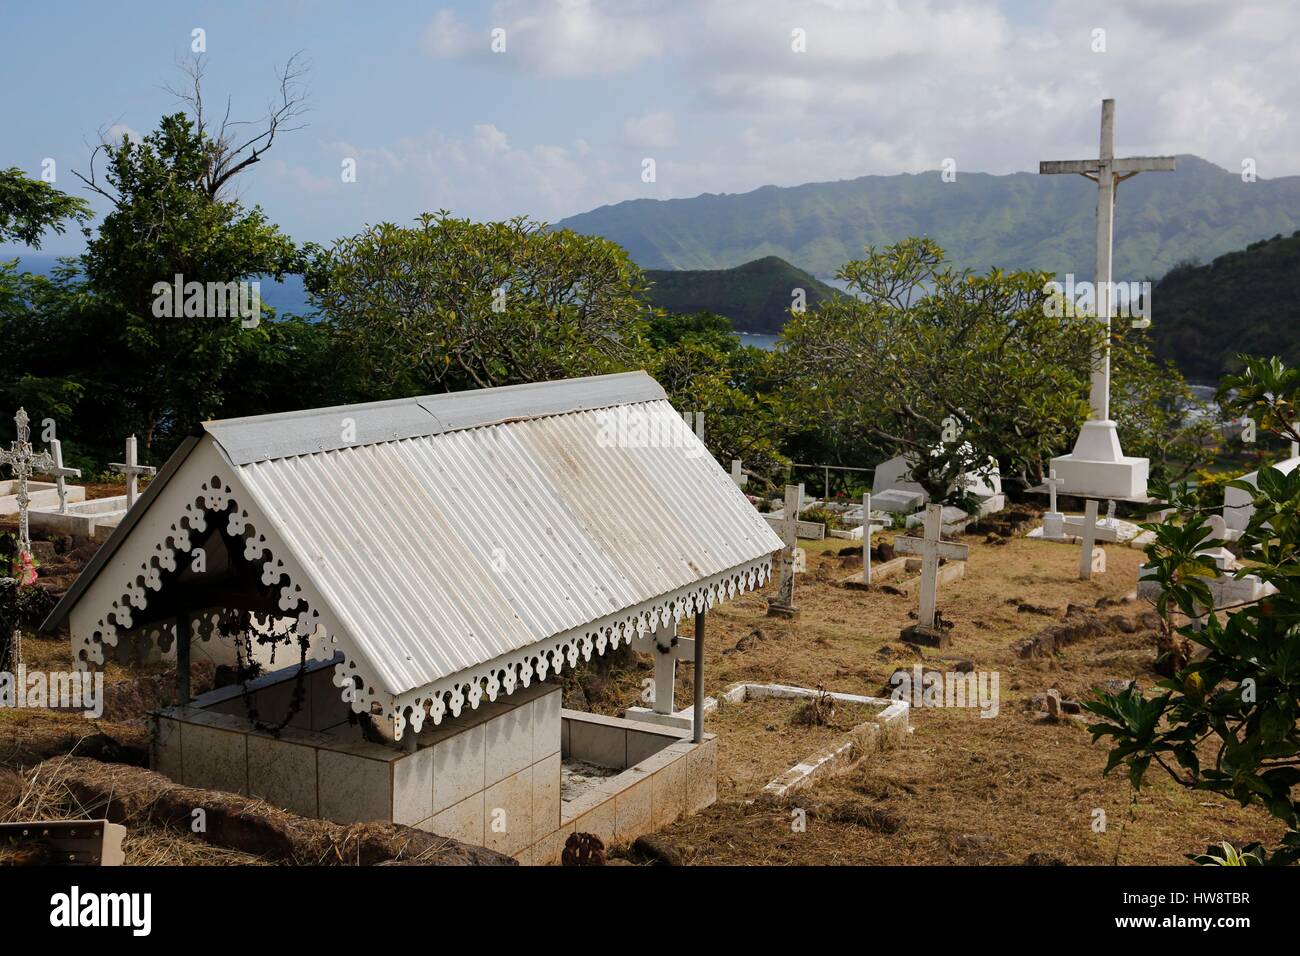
289	296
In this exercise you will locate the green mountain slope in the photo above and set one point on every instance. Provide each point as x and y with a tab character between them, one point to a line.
754	296
1018	221
1245	301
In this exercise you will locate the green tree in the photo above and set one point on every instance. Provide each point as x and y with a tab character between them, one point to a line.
31	207
166	223
1228	721
705	370
944	365
449	304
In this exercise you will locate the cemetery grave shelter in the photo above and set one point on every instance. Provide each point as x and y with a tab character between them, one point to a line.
413	575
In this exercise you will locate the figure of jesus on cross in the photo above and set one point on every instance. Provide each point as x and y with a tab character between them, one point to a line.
1098	467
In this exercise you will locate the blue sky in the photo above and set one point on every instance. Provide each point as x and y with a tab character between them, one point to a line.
712	90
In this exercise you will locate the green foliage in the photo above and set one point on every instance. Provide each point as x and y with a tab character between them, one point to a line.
1238	703
1225	854
820	516
165	222
1242	302
418	309
707	373
948	366
1153	400
31	207
754	297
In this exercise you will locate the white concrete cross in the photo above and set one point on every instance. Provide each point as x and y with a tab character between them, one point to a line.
1089	541
788	529
132	470
866	537
931	548
1052	481
737	476
61	473
1107	172
23	462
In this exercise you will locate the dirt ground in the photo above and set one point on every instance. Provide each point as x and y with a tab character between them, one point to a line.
960	789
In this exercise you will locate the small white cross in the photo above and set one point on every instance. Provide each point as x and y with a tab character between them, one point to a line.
931	548
737	475
788	529
1052	481
132	471
61	474
1089	541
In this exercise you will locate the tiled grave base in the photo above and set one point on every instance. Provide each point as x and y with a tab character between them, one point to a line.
491	777
661	777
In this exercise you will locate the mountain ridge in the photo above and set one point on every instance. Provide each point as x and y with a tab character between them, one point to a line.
1016	220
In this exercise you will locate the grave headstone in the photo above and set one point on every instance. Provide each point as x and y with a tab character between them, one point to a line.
930	548
23	461
132	470
61	473
1091	557
1053	520
788	529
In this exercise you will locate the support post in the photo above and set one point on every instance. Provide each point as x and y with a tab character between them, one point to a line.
697	722
183	658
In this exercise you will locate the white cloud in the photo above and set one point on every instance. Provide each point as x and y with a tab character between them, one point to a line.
657	130
113	135
885	86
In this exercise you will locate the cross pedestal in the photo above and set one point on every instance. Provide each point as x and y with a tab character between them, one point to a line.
788	528
1097	466
931	548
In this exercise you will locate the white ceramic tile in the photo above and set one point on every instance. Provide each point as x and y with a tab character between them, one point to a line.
353	789
509	743
458	767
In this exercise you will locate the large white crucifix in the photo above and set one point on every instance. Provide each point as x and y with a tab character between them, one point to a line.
132	470
1098	466
931	548
24	461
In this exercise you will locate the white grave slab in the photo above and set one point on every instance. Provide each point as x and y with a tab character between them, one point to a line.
1237	507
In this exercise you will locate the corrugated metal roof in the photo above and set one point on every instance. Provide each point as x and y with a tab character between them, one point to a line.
264	437
467	529
441	552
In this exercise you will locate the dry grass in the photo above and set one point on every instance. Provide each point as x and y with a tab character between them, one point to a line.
43	796
966	789
960	789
